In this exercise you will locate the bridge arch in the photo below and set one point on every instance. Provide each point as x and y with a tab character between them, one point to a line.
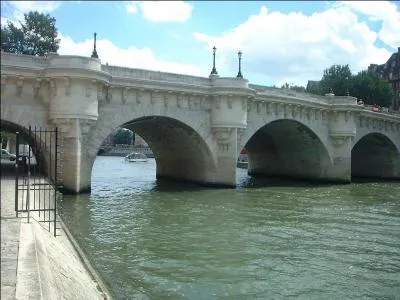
182	143
37	147
375	155
287	148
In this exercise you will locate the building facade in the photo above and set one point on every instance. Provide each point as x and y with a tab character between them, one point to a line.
390	71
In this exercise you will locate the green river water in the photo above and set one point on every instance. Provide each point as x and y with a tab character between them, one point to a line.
266	239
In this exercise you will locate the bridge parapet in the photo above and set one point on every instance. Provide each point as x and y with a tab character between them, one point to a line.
131	73
73	62
341	100
23	61
229	82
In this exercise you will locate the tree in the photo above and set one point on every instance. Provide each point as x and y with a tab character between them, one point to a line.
123	136
314	87
37	35
368	86
336	79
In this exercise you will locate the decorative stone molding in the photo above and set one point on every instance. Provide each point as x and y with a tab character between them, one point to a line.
53	88
139	96
67	82
223	147
268	108
74	128
86	125
277	108
19	86
309	113
340	140
109	94
229	102
167	97
124	94
89	88
347	115
179	99
217	102
240	134
324	114
258	107
64	125
222	134
36	88
101	92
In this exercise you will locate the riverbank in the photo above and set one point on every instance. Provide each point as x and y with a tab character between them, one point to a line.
37	265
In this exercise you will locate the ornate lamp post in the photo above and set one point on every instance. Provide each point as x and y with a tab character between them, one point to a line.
214	70
94	53
239	75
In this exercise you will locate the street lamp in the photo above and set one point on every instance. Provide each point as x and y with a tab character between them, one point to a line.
239	75
214	70
94	53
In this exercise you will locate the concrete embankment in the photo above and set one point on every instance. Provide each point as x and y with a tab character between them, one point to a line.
37	265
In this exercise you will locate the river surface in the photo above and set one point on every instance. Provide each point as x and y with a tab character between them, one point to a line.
266	239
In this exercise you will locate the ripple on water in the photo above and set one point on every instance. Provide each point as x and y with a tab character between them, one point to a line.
157	240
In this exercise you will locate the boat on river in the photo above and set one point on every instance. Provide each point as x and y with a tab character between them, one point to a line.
136	157
243	161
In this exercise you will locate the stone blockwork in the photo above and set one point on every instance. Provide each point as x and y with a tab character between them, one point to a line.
196	126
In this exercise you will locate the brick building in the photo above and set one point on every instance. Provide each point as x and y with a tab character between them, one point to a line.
390	71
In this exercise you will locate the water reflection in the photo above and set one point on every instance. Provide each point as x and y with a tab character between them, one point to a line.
153	239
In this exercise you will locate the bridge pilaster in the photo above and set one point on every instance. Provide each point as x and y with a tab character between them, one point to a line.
76	165
228	121
342	130
227	141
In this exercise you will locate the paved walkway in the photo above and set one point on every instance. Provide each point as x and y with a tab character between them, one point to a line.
36	265
10	231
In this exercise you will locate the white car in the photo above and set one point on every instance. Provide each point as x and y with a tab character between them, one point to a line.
5	155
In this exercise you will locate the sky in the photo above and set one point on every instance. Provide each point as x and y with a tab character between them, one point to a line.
281	41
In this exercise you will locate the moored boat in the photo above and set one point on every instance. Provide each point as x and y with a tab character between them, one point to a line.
136	157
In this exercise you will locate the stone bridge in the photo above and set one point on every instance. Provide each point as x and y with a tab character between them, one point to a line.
196	126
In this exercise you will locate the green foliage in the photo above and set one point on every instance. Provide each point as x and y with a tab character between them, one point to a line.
336	79
372	89
366	85
123	136
37	35
314	87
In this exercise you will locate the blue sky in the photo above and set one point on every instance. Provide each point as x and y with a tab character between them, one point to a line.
281	41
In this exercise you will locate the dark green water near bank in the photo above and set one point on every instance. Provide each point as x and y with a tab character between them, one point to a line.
264	240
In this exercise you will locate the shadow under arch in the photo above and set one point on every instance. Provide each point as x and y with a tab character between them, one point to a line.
375	156
288	149
179	150
39	153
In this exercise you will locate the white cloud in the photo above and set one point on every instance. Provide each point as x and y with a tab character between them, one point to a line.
132	57
131	7
384	11
162	11
294	47
19	8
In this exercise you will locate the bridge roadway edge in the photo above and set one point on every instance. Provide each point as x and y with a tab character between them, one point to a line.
37	265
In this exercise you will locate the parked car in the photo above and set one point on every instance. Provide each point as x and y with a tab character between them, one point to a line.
5	155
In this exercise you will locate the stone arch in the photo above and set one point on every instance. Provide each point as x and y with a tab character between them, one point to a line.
181	142
19	118
287	148
375	155
38	149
